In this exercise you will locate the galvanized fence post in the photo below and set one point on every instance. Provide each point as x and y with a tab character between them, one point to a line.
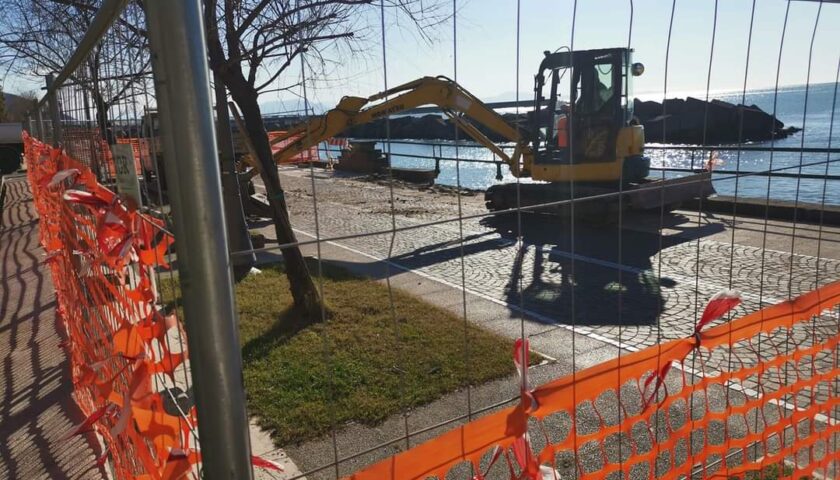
176	37
55	111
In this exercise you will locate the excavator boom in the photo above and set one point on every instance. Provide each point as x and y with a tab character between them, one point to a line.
457	103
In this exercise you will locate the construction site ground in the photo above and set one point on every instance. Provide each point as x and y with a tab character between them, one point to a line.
578	299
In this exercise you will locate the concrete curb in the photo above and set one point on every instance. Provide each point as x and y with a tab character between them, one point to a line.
774	209
263	446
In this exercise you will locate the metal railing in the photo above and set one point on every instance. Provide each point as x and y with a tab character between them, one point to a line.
181	92
436	158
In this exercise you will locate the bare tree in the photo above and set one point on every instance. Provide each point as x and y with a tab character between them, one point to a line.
252	43
37	37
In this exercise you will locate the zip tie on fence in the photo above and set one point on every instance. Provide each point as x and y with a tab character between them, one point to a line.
717	307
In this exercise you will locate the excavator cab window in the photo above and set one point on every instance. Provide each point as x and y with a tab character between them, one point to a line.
597	114
585	107
594	90
555	124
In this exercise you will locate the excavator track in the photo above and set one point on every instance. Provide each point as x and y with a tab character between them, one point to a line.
598	203
552	199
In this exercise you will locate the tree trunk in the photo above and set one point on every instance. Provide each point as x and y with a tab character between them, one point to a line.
101	108
238	237
304	292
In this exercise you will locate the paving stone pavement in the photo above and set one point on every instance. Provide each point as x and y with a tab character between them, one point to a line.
37	409
653	290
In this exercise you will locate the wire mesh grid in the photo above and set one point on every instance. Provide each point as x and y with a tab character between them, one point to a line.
554	279
706	265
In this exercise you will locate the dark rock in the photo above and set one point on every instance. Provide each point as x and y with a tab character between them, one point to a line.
695	121
426	127
689	121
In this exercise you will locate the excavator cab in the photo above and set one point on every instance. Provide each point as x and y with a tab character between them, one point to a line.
585	122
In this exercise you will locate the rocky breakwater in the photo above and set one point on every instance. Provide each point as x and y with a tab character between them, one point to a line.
421	127
681	121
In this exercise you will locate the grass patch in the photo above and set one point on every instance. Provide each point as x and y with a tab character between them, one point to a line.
358	366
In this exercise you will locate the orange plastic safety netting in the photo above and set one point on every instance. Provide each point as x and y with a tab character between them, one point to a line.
120	343
128	352
308	155
752	398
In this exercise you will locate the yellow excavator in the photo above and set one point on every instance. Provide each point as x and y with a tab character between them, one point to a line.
589	147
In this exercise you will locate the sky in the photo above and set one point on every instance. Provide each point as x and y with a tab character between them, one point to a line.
487	54
487	48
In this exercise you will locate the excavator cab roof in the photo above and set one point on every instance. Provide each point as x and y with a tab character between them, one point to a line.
566	58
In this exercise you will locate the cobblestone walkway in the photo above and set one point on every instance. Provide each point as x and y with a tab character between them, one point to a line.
37	409
653	290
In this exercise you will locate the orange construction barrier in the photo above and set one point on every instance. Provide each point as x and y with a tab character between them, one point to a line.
308	155
124	347
86	145
142	152
772	401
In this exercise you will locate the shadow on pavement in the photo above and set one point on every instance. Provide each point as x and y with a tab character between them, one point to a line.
587	279
37	407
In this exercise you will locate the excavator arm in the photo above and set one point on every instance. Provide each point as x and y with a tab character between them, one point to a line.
457	103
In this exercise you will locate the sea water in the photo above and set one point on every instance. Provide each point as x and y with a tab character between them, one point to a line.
788	103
